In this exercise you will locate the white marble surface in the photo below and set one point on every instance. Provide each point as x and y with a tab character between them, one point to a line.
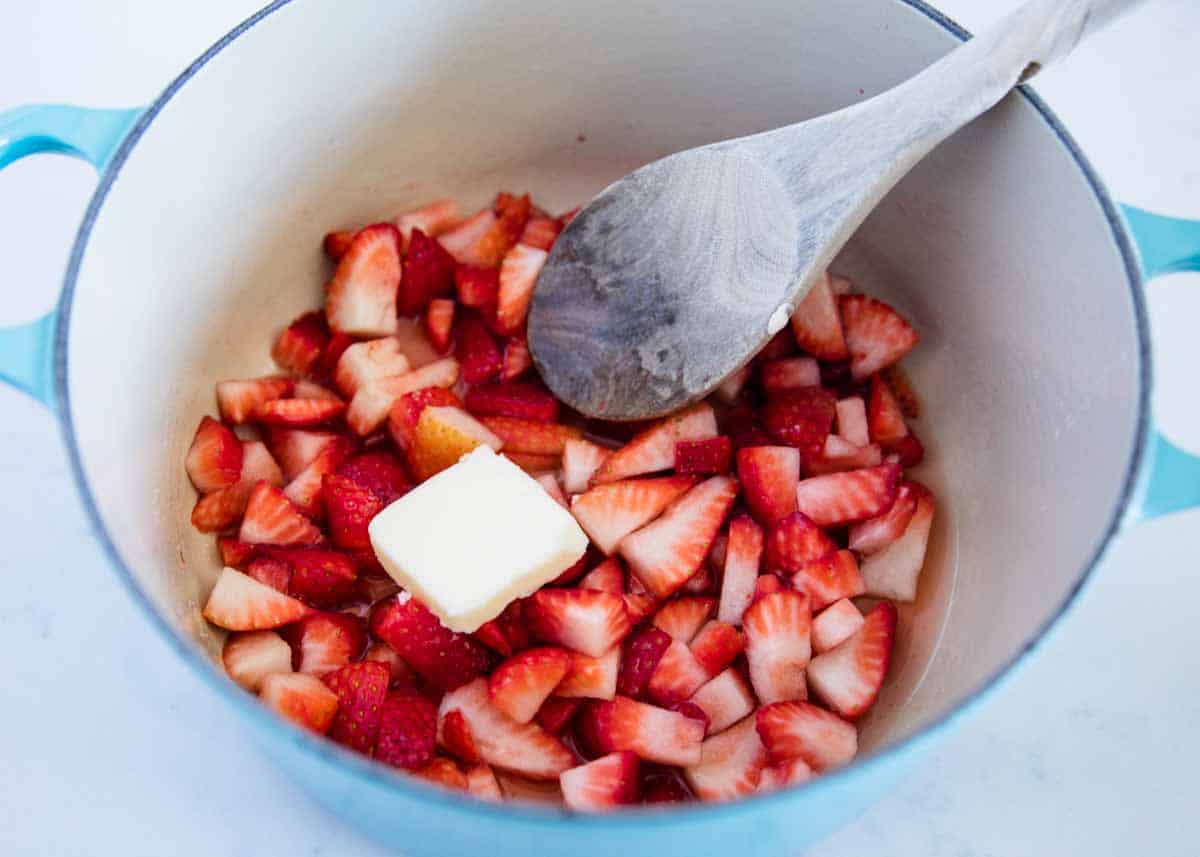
109	745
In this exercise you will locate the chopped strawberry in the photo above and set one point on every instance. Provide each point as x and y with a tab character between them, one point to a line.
799	730
800	418
442	657
361	298
445	773
478	288
364	362
639	659
533	463
306	389
507	633
639	605
817	325
299	413
550	482
725	700
406	412
335	244
476	350
840	456
677	676
399	672
443	436
730	390
234	553
408	731
463	240
654	734
512	213
239	603
305	490
525	748
842	498
428	274
610	512
516	360
836	623
320	577
608	576
730	764
792	373
743	556
323	642
909	450
371	404
683	617
271	572
522	400
603	783
457	739
239	400
300	698
902	388
893	572
716	645
520	685
884	418
482	783
719	551
360	688
295	449
831	578
876	334
349	508
258	465
593	678
518	275
556	714
300	345
848	677
767	584
665	553
338	343
251	656
584	620
711	455
379	472
852	420
439	323
653	449
221	510
214	460
540	232
580	461
769	476
778	645
793	772
433	219
373	582
702	582
794	541
272	519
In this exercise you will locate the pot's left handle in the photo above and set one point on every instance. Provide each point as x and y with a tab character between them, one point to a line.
26	351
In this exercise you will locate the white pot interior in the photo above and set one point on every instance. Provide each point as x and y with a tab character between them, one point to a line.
323	117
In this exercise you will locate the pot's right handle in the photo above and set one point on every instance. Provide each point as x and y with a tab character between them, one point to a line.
26	351
1170	479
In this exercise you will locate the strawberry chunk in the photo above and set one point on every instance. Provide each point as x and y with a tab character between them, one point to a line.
708	456
610	512
531	436
683	617
842	498
234	553
271	572
520	685
653	449
801	418
400	673
603	783
379	472
476	350
767	584
654	734
299	413
831	578
320	577
478	288
360	690
300	698
593	678
795	541
251	656
540	232
433	219
445	773
408	732
556	714
443	658
457	738
364	362
743	556
677	676
516	360
791	373
323	642
893	572
238	401
482	783
439	323
512	213
778	645
769	476
521	400
716	645
272	519
360	300
507	633
817	324
443	436
885	421
300	345
580	461
214	459
349	508
791	773
852	420
462	242
838	622
295	449
608	576
584	620
848	677
730	765
406	412
639	659
428	273
371	404
533	463
305	490
518	275
239	603
799	730
335	244
725	700
876	335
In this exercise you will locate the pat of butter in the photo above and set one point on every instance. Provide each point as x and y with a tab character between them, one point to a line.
475	537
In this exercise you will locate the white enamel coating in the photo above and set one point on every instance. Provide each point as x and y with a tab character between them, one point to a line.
325	117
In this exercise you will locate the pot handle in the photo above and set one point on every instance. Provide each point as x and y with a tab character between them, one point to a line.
1170	478
26	351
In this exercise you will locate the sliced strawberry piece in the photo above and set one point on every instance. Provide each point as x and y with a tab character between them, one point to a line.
584	620
592	678
478	288
525	748
817	325
654	734
730	765
299	413
364	362
852	420
214	459
272	572
361	298
653	449
835	624
902	388
507	633
457	739
433	219
463	240
531	436
482	783
518	275
743	556
908	450
640	657
677	676
767	584
443	436
682	618
719	551
403	418
306	389
876	334
725	700
829	579
335	244
272	519
300	698
795	541
610	512
769	476
251	656
790	773
516	360
305	490
716	645
520	685
842	498
239	400
408	734
639	605
379	472
439	323
320	577
711	455
522	400
323	642
442	657
349	508
893	572
371	404
300	345
778	645
792	373
234	553
338	343
665	553
445	773
730	390
580	461
360	690
608	576
476	350
884	418
550	482
532	463
512	213
840	456
848	677
603	783
556	714
240	603
399	672
800	418
540	232
799	730
428	274
295	449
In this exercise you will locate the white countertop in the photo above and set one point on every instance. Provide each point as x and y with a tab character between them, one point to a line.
110	745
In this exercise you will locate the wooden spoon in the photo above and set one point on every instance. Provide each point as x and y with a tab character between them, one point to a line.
676	275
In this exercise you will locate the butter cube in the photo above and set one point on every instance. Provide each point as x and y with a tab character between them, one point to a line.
475	537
